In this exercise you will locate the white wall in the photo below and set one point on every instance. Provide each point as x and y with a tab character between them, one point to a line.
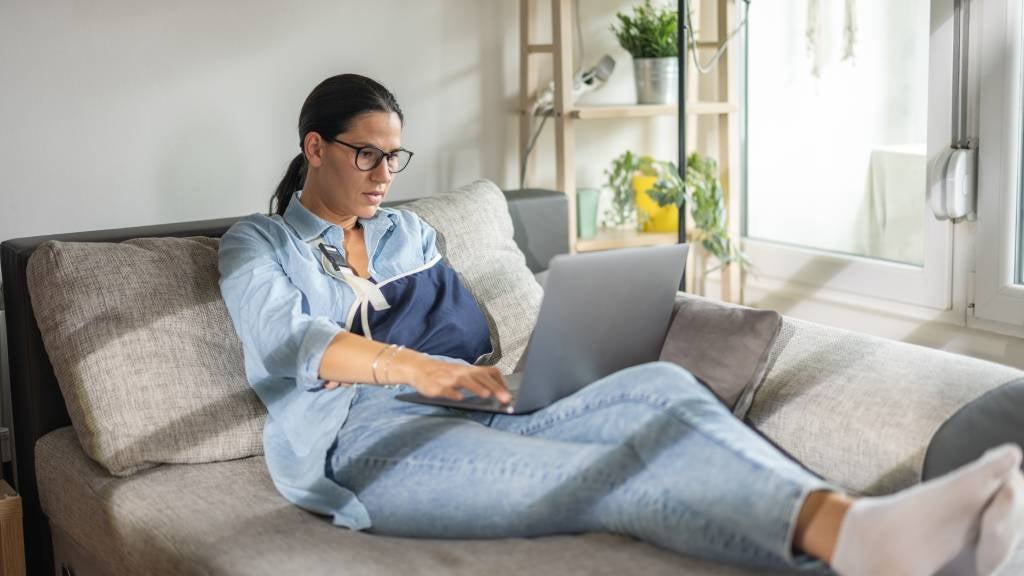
121	113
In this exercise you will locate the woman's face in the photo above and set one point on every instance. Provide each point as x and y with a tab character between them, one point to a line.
345	190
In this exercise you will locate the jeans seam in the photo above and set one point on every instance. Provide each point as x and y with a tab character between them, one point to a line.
503	471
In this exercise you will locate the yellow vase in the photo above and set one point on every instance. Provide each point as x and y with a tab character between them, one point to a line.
658	218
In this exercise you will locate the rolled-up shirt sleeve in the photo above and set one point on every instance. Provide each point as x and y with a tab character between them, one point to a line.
268	311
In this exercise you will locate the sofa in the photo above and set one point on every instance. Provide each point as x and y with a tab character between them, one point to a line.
855	409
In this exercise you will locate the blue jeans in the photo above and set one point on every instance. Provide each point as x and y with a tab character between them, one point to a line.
647	452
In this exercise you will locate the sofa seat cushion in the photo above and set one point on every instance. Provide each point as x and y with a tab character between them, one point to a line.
226	518
860	410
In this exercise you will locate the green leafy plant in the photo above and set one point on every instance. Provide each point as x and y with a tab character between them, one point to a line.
702	194
648	31
620	182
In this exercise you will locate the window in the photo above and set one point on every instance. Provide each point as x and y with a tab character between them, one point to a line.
841	116
837	116
999	279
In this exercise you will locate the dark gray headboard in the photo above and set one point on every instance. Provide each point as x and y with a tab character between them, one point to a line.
539	218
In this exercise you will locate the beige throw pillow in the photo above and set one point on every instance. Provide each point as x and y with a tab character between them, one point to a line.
144	351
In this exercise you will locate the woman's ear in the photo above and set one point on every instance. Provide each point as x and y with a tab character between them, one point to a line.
313	146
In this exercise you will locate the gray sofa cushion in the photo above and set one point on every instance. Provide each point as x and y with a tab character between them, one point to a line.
860	410
144	352
475	235
226	518
726	347
990	420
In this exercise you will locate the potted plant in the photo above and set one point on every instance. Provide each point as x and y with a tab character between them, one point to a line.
652	216
650	34
633	176
628	179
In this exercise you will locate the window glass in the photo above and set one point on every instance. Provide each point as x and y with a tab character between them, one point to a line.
836	109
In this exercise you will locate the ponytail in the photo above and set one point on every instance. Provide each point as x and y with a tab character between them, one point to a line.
293	180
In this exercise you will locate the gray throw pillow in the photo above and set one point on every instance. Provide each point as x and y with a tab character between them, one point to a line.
144	351
996	417
475	236
726	347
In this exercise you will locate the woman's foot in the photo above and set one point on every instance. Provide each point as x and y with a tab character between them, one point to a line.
917	531
1001	526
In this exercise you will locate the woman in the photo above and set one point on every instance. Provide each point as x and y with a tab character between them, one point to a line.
321	293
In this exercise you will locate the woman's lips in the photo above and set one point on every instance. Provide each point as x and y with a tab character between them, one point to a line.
374	198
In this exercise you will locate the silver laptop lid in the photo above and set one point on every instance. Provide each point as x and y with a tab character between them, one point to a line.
602	312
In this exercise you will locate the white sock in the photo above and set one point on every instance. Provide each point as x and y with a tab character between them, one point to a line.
1001	525
916	531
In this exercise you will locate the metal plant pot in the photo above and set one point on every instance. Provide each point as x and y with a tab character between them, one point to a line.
657	80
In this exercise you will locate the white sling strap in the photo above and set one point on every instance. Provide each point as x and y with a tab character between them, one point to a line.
367	293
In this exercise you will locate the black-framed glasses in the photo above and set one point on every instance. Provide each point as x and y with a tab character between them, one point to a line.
368	157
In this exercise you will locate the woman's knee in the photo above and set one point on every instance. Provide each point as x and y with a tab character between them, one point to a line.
660	380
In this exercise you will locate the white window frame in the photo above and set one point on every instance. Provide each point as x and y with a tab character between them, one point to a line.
998	300
929	286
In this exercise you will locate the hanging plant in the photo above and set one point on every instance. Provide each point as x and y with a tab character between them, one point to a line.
620	182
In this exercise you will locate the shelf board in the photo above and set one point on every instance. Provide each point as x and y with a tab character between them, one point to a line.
649	110
609	239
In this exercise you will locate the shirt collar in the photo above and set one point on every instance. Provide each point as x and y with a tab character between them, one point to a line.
309	226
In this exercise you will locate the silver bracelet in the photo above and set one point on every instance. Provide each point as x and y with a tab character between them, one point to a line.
387	367
376	359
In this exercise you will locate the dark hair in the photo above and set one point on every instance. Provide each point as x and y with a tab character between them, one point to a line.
329	110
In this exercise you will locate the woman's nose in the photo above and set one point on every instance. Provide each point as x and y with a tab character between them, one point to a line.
380	172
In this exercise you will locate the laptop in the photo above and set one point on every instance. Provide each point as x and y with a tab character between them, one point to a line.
601	312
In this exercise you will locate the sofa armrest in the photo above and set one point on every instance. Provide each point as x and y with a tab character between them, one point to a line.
540	219
860	410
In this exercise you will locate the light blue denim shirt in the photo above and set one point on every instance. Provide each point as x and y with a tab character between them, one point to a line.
286	308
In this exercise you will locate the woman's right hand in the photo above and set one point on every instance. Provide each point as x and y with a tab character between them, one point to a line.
437	378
